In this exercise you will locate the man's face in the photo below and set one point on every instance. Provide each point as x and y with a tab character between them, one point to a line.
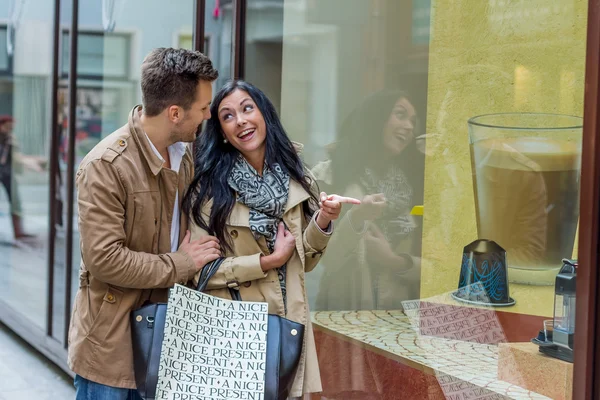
190	125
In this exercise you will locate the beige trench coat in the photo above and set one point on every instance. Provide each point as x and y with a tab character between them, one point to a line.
125	202
242	269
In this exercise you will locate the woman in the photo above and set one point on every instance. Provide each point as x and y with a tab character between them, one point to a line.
11	163
378	244
271	225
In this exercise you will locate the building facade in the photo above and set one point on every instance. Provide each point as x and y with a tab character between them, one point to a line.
475	120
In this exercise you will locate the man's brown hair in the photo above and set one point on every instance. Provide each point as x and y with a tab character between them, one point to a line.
170	76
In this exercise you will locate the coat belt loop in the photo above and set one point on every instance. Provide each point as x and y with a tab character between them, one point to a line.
84	279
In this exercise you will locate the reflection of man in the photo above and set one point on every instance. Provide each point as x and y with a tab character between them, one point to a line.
10	162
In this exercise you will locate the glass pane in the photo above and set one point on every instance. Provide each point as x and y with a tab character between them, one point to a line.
218	38
460	130
4	59
25	132
264	46
108	84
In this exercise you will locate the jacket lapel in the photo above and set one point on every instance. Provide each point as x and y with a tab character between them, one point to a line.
240	214
293	215
138	134
185	178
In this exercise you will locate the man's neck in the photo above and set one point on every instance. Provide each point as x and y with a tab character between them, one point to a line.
156	133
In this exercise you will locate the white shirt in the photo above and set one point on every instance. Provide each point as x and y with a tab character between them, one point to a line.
176	153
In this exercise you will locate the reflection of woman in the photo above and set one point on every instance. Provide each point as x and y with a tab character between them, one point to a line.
252	192
377	248
10	162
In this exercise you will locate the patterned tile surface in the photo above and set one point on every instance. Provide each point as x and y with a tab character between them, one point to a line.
453	362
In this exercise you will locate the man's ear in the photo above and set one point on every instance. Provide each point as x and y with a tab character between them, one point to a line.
175	114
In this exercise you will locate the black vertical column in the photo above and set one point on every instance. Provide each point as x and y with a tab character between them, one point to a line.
73	46
239	38
53	167
199	18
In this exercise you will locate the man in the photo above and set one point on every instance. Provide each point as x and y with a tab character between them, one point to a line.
134	240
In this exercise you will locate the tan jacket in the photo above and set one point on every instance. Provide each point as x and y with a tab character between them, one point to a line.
242	267
125	204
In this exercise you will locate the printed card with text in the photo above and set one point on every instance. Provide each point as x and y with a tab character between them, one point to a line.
213	348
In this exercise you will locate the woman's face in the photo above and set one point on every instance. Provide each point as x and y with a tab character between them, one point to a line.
242	123
400	126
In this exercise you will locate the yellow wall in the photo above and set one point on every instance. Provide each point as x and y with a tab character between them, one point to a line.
486	57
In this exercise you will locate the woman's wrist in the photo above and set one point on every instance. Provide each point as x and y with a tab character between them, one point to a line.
322	221
269	262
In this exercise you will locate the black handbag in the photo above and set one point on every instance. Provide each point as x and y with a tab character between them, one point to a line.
285	340
147	331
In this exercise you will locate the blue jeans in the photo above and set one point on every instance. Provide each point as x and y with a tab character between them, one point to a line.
88	390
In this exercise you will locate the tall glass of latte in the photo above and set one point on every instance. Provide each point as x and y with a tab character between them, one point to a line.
526	170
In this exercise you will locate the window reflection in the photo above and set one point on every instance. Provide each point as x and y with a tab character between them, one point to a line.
380	92
25	75
219	37
377	244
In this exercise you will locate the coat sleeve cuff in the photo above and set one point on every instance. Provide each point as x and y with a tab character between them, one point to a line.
243	269
184	266
235	271
315	237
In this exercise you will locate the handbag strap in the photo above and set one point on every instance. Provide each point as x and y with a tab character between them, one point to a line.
208	272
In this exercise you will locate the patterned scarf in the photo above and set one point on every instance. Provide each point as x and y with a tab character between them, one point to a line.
266	197
395	222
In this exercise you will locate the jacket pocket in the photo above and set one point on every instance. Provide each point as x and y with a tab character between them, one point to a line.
143	221
105	319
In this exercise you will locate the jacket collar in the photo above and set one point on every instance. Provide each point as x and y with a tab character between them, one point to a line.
240	214
137	132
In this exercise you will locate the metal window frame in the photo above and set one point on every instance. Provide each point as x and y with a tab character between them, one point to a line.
238	50
199	25
586	368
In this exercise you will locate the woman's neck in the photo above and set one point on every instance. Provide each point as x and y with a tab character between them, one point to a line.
256	160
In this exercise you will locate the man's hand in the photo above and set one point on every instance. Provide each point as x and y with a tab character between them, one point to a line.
202	251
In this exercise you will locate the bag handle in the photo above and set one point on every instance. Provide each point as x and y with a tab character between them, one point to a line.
208	272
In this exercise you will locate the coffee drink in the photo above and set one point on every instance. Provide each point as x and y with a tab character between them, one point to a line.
527	197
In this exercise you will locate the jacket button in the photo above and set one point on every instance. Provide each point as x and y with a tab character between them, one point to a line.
234	234
110	297
121	143
248	284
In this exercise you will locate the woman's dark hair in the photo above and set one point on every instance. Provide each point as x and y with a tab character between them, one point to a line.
360	144
215	159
